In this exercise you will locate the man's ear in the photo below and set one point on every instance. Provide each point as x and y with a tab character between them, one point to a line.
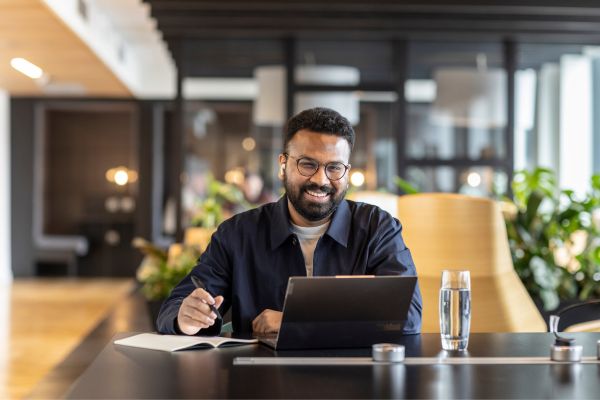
282	162
281	171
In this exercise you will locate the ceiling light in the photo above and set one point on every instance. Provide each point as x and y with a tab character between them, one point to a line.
248	144
474	179
27	68
121	177
357	178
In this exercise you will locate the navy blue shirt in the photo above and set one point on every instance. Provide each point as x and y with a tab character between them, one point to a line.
251	256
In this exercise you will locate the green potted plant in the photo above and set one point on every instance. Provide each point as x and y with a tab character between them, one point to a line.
222	200
554	238
160	271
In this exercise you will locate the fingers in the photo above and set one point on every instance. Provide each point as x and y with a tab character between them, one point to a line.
203	295
195	313
267	321
201	299
257	323
202	316
260	323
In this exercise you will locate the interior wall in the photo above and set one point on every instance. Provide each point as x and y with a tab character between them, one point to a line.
80	147
22	132
5	247
5	250
81	143
21	186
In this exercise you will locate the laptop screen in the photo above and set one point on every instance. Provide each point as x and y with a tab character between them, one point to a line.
349	311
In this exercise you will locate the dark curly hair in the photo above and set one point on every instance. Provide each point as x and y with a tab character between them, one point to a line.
321	120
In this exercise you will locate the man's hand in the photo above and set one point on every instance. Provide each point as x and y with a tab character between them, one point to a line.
267	321
195	313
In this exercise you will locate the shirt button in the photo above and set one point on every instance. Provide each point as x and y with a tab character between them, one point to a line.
294	241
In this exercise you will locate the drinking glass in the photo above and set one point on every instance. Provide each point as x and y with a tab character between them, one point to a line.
455	309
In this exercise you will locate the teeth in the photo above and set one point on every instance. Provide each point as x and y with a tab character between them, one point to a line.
316	194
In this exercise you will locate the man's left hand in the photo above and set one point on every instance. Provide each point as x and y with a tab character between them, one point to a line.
267	321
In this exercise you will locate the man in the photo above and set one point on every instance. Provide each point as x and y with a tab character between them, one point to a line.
310	231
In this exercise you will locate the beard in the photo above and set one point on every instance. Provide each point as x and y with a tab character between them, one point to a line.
311	210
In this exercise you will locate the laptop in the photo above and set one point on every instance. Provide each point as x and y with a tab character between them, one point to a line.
342	312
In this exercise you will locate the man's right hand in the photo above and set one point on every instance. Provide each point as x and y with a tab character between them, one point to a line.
195	313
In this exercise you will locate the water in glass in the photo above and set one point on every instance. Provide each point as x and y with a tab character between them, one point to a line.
455	318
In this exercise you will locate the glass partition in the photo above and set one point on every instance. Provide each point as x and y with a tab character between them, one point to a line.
222	143
557	124
456	114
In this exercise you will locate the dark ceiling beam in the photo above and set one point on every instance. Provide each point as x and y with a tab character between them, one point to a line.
538	21
191	26
579	14
274	18
538	7
195	24
232	17
539	37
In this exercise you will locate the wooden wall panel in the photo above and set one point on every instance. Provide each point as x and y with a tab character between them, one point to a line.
30	30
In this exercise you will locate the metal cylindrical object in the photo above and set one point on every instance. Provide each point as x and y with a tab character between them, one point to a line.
388	352
566	353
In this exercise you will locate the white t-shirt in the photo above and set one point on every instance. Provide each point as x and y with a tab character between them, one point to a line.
308	237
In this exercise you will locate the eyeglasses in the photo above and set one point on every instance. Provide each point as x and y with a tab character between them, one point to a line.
334	170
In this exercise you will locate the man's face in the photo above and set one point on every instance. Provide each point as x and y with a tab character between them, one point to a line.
314	197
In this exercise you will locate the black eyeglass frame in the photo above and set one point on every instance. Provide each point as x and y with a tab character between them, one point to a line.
346	167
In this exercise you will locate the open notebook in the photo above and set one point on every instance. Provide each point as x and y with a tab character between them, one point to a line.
179	342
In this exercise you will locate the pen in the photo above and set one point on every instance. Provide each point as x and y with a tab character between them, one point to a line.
198	283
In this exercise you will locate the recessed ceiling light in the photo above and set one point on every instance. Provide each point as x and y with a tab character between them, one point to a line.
26	67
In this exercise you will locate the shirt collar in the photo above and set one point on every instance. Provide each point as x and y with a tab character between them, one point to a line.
280	225
339	228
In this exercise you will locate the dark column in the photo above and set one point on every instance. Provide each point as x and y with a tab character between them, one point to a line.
178	139
22	117
290	66
510	65
144	214
400	66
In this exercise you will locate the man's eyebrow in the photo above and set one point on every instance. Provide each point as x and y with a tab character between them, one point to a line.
312	159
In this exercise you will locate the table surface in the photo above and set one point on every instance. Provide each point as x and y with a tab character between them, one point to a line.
125	372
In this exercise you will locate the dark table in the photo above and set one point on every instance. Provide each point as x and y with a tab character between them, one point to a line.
124	372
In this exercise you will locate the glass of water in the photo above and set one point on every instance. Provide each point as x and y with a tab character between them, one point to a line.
455	309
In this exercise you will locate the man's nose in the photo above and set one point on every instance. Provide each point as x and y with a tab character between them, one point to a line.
320	178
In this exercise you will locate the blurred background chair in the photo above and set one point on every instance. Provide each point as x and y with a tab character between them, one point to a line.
452	231
579	316
589	326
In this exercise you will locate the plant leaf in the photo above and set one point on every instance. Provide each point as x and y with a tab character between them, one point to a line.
405	186
549	299
533	205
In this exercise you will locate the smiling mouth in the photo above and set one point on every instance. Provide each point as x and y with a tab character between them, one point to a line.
317	194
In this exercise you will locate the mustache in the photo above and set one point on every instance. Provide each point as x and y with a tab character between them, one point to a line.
316	188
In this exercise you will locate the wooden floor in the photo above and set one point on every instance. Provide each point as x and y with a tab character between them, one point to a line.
43	320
